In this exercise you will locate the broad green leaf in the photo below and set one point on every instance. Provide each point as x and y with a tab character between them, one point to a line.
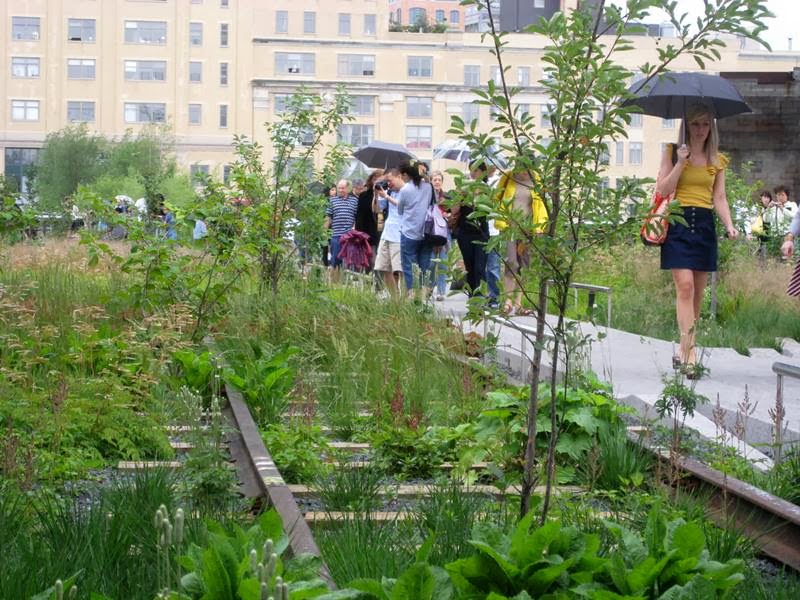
249	589
373	588
415	583
216	583
192	584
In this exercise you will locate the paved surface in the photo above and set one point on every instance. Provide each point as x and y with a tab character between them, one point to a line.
635	366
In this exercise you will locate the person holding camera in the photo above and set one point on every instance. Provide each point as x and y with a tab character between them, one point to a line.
387	258
366	219
777	216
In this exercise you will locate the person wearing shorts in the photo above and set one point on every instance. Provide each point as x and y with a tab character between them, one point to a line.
388	259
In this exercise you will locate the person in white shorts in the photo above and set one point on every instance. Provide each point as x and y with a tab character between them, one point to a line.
388	260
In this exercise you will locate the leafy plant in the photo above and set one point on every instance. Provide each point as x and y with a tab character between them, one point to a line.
265	382
407	453
296	449
197	370
621	463
244	564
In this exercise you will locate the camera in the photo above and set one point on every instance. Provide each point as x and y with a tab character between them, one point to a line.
383	184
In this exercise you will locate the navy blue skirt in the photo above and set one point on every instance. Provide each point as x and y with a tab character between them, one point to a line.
691	246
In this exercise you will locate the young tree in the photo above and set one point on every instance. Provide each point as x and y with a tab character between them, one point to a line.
566	160
275	193
70	157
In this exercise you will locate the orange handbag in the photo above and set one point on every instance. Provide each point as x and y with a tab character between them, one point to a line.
655	226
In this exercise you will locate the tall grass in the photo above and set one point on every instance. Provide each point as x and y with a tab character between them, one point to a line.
373	350
362	547
752	306
111	544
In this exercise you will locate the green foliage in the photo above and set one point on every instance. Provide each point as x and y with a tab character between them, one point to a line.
296	450
69	157
13	219
619	462
351	488
265	381
406	453
235	562
197	370
583	412
108	186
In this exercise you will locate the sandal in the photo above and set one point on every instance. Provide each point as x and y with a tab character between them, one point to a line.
523	312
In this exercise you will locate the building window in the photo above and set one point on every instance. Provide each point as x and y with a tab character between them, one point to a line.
472	75
226	173
636	120
223	73
524	76
25	28
420	66
145	70
80	68
370	24
440	16
199	173
145	32
223	115
195	114
24	67
355	134
620	153
419	136
223	35
544	116
538	3
145	112
523	110
356	65
470	112
294	63
309	22
635	153
196	34
668	123
494	74
419	107
344	23
195	71
81	30
361	106
24	110
605	155
281	102
223	3
455	18
79	111
281	21
417	16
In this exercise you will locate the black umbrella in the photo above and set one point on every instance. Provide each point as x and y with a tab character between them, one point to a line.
670	94
382	155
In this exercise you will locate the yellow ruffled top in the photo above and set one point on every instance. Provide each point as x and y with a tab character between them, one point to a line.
696	185
507	190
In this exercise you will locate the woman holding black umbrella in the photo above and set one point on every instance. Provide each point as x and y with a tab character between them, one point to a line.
695	174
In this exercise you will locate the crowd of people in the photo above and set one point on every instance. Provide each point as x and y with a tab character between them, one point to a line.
391	209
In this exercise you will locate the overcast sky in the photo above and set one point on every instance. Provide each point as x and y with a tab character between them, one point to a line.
786	23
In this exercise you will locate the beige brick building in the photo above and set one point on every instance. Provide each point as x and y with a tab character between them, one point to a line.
213	68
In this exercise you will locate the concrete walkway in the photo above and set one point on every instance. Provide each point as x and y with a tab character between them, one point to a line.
636	366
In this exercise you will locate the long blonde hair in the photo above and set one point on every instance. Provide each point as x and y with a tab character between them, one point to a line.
711	147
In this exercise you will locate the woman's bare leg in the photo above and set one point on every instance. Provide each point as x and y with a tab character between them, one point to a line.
685	308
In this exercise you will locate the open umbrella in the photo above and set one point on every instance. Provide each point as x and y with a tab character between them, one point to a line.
670	94
382	155
460	151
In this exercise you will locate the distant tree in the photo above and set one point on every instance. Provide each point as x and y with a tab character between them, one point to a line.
70	157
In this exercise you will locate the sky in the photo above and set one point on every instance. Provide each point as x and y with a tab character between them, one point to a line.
785	24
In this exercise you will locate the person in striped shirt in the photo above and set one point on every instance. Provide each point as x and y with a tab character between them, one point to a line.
340	218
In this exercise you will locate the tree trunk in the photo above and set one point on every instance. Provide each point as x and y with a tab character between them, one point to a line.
529	476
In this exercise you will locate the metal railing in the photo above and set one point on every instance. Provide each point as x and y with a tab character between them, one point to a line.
778	414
